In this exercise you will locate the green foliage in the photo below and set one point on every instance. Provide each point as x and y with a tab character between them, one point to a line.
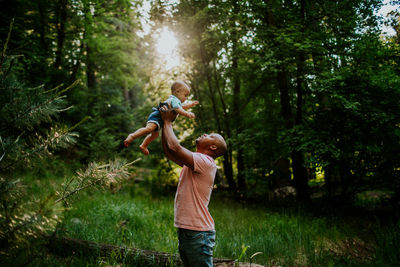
26	116
112	75
122	220
284	236
244	249
255	63
374	200
95	175
357	122
276	79
387	252
29	134
164	180
90	41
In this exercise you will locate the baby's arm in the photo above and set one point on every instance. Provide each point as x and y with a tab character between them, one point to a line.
190	104
185	113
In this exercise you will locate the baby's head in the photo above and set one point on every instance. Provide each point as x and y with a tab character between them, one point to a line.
181	90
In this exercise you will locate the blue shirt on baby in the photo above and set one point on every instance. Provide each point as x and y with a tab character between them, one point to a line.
175	102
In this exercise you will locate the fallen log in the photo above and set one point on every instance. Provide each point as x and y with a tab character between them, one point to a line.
65	246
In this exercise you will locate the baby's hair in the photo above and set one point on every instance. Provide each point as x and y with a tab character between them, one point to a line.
177	85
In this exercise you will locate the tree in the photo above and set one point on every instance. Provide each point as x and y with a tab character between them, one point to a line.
29	132
91	41
264	53
193	23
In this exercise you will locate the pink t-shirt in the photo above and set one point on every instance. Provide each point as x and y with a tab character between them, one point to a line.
193	194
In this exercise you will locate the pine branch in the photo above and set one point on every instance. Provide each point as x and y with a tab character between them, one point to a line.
96	176
54	139
38	112
38	109
42	147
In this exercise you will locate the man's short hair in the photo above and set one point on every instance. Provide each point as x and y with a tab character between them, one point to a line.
221	146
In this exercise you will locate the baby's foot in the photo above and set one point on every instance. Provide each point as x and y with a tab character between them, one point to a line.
144	149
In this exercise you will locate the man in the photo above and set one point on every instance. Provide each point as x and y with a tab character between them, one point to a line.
196	231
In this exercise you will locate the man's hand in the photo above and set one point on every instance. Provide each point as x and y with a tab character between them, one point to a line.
167	114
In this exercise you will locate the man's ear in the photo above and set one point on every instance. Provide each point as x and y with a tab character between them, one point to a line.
213	147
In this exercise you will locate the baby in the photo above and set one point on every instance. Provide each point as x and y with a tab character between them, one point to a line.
180	91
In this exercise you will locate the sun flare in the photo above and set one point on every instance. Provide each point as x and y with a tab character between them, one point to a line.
167	47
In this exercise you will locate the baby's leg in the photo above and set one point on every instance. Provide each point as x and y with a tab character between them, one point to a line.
147	141
150	127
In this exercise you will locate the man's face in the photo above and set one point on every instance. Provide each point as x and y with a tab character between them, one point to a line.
205	140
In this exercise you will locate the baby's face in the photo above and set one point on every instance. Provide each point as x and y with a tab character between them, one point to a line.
183	93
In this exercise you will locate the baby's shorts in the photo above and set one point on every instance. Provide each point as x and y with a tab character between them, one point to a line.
155	117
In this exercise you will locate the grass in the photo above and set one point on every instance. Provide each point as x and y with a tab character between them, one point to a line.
122	220
284	236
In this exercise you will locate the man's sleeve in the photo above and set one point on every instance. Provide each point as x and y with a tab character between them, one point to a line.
200	163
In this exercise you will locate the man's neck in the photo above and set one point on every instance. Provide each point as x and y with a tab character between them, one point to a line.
206	152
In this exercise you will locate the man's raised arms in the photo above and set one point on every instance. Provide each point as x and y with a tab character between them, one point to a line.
171	146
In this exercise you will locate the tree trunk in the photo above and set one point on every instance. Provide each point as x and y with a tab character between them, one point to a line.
43	24
90	66
286	110
89	62
329	173
227	162
61	17
299	89
76	66
236	99
238	122
346	180
228	168
300	178
299	170
61	20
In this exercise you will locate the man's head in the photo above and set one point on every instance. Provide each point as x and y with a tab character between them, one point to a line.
181	90
212	144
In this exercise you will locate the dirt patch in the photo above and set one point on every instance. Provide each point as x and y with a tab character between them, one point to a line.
354	248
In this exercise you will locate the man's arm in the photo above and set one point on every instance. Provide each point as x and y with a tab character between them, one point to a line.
171	146
167	151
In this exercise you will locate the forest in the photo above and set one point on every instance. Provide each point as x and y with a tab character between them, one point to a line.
305	93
